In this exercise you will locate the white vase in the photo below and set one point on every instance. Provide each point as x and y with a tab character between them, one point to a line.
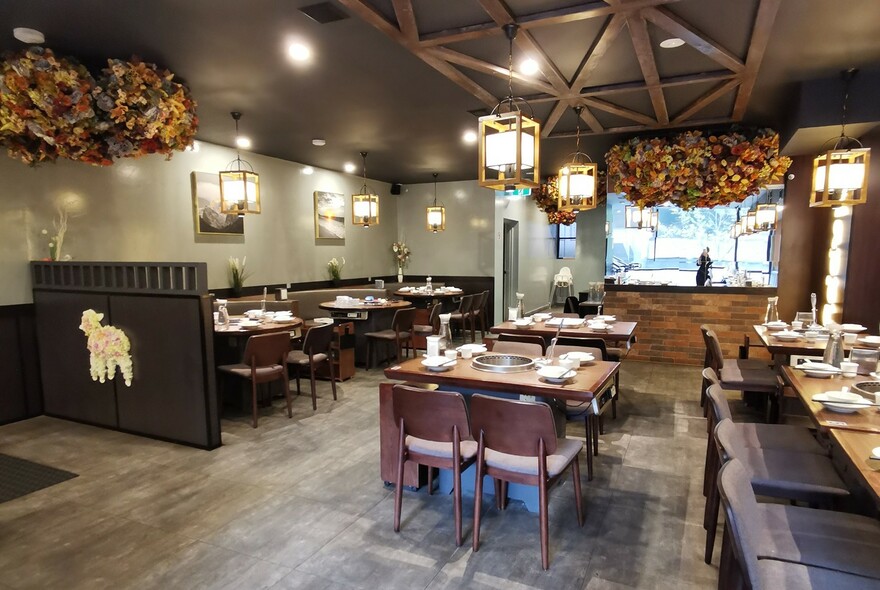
399	275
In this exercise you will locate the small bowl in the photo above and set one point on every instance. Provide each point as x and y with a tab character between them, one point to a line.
523	323
843	396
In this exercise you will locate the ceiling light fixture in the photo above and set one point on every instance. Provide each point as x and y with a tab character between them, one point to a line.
840	175
577	178
239	189
469	136
299	52
365	205
319	142
436	215
349	167
30	36
308	170
243	142
509	140
528	67
641	217
671	43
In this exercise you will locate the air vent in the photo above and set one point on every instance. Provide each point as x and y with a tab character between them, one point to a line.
323	13
480	112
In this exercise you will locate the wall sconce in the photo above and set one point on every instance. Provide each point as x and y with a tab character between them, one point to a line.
239	189
365	206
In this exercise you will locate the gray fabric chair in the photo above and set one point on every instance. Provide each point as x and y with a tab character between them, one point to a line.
814	553
804	477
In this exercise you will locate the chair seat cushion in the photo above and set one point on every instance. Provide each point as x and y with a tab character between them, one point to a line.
735	377
827	523
566	450
244	370
298	357
781	575
748	364
387	335
422	330
468	448
779	437
799	476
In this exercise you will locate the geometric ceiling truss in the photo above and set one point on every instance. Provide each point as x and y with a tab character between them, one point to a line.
733	73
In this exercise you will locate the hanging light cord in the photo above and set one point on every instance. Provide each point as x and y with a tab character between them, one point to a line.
510	38
435	188
364	156
847	78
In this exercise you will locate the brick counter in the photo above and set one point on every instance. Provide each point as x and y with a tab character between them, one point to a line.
670	318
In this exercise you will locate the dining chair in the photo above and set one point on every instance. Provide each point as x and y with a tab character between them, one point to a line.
464	315
607	355
571	305
479	310
400	334
434	431
561	280
528	338
264	360
518	443
432	328
780	547
315	350
803	477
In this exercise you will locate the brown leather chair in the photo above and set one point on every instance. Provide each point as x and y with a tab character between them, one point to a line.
529	349
518	443
464	316
434	431
527	338
315	350
432	328
400	334
264	360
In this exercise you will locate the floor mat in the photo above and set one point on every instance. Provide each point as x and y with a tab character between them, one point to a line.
19	477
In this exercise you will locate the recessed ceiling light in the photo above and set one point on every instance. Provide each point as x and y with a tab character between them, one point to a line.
528	67
299	52
671	43
26	35
469	136
349	167
308	170
243	142
319	142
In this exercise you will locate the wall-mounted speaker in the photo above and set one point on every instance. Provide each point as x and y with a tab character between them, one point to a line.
395	188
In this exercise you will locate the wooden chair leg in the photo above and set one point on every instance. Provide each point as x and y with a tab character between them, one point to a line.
576	476
369	352
478	501
545	525
503	495
286	382
332	373
430	481
298	391
398	487
711	520
595	430
497	493
314	385
456	501
254	403
616	395
589	448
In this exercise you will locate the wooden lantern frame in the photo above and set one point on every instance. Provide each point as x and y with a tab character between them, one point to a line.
826	195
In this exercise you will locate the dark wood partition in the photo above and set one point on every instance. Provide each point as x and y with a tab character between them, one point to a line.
20	395
165	311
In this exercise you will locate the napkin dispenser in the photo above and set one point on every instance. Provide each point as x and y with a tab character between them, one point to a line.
380	284
281	294
433	345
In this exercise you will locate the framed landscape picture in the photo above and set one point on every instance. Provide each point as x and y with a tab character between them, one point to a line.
329	215
206	205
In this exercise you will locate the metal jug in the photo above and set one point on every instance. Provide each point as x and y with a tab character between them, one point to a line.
834	350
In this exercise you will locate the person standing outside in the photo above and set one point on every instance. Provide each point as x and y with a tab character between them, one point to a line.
704	262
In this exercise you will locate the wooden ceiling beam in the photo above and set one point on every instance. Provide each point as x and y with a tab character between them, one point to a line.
486	97
638	29
767	11
589	118
406	20
487	68
706	99
553	118
604	39
620	111
640	128
674	25
375	18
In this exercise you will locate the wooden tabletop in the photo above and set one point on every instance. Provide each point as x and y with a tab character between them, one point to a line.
361	305
858	446
619	332
429	294
864	420
268	327
590	379
801	346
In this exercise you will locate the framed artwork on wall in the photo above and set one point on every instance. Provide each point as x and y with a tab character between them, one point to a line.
206	207
329	215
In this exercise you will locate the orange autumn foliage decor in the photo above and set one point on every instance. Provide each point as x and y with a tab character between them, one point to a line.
693	170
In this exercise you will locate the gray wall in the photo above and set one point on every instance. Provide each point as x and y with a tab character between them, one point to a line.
466	248
142	210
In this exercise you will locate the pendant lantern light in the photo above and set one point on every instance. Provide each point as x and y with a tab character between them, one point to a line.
641	217
365	205
239	189
766	215
509	139
840	175
577	179
436	215
751	216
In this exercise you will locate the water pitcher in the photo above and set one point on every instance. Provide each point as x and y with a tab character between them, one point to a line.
834	350
222	313
772	314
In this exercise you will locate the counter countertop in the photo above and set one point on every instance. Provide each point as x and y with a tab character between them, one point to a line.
720	290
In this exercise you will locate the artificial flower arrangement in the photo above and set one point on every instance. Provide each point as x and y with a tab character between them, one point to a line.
693	170
401	253
238	272
334	267
546	197
51	107
109	348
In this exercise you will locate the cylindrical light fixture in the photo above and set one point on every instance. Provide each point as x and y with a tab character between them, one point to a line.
436	216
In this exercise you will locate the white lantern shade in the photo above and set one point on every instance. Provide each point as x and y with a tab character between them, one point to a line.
509	151
577	187
501	150
239	192
765	216
436	218
840	177
365	209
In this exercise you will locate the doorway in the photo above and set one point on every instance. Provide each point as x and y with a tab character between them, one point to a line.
510	265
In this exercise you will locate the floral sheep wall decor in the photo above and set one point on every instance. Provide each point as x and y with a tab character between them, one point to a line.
108	347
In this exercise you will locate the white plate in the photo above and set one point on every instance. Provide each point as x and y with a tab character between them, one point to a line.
840	408
818	370
540	317
875	453
853	328
565	322
786	335
872	340
599	328
606	318
554	374
775	325
248	323
581	357
474	348
438	364
523	323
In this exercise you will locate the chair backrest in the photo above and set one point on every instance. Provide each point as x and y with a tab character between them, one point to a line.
560	350
720	407
529	349
267	349
746	529
434	318
571	305
729	441
512	426
529	338
479	305
318	339
713	347
430	414
567	341
565	272
466	303
403	319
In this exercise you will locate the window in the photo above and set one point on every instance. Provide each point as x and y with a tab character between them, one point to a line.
566	237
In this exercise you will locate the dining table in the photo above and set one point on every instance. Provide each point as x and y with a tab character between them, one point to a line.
616	332
423	297
801	346
590	386
858	447
862	420
366	315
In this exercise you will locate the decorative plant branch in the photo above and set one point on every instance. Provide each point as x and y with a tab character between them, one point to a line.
401	253
334	267
237	272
